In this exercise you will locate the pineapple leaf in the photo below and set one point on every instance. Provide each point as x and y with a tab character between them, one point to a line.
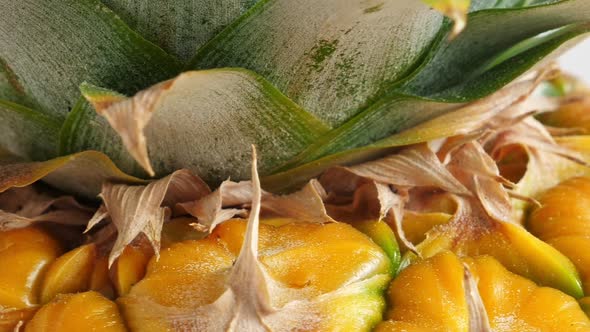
81	173
181	26
10	88
397	111
226	202
367	69
349	54
331	57
204	121
471	118
128	117
416	166
52	46
511	39
27	133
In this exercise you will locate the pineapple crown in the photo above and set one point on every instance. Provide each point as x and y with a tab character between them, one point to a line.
310	83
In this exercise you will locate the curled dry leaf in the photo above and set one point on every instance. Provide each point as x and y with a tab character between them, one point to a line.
22	207
534	135
370	201
247	295
128	116
230	198
478	172
416	166
305	205
144	208
454	9
219	206
547	158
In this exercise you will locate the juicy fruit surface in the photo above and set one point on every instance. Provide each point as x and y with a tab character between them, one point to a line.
572	115
130	267
417	293
515	248
88	311
309	260
25	255
341	270
70	273
563	221
430	296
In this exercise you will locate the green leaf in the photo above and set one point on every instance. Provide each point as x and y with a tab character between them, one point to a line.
10	88
347	54
179	26
27	133
368	69
477	5
204	121
52	46
332	57
391	114
489	34
396	112
463	121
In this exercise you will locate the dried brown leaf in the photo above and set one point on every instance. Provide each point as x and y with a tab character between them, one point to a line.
80	173
473	118
129	117
478	172
230	199
219	206
248	287
534	135
416	166
306	205
22	207
139	209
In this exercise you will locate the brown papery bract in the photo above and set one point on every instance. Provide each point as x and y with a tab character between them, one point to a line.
22	207
144	208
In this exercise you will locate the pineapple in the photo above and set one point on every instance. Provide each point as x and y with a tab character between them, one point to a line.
411	166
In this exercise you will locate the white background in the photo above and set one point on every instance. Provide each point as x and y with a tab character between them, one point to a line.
577	60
